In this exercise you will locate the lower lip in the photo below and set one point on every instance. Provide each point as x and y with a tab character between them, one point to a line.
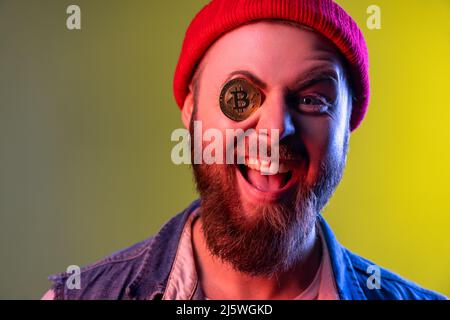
255	195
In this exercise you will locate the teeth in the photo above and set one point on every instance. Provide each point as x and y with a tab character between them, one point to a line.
265	164
266	167
253	163
270	170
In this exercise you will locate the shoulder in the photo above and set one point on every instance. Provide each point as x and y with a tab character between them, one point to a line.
104	279
134	272
391	286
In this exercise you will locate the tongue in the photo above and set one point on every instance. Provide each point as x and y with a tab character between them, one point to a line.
265	182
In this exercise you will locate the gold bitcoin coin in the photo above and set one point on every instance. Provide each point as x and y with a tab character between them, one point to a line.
239	99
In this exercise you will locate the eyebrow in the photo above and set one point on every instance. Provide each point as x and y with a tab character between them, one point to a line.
305	80
314	76
249	75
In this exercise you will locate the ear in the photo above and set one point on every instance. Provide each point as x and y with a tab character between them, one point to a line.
188	109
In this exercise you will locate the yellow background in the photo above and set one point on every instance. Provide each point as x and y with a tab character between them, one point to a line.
86	118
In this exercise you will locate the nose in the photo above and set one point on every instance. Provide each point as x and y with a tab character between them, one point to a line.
276	115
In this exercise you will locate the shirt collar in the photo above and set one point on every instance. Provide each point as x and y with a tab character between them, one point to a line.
347	283
151	279
183	279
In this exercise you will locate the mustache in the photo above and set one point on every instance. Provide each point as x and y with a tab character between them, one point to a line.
289	149
291	153
286	151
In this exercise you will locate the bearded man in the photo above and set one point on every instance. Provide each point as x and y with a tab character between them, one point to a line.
297	68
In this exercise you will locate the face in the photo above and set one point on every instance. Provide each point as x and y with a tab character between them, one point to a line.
259	223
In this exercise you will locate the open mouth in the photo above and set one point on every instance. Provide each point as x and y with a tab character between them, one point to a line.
260	179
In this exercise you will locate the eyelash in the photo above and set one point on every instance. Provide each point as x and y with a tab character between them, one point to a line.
317	104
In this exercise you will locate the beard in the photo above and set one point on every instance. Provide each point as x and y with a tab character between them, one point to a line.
266	239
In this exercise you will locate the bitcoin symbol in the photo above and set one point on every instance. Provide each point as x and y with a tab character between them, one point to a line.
239	99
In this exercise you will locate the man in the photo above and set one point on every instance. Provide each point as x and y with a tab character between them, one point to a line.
295	72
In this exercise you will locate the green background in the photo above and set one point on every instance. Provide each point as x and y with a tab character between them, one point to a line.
86	118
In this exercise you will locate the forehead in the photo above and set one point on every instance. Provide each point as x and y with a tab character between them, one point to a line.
274	50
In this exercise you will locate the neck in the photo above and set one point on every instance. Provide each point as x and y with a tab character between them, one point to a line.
219	280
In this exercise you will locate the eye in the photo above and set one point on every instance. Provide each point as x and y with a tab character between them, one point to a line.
314	104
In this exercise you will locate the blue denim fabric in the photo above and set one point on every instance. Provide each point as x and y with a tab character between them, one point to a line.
141	271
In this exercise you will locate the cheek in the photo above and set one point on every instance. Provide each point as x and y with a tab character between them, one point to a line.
209	112
214	137
211	117
323	138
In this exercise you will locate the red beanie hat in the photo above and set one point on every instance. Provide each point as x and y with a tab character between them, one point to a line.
323	16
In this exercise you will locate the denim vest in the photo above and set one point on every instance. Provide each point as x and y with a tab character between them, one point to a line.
141	271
